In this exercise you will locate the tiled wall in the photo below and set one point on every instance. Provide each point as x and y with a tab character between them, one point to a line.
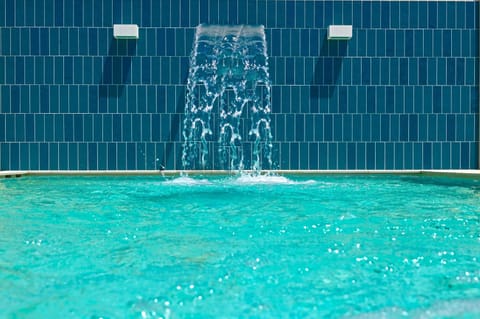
401	94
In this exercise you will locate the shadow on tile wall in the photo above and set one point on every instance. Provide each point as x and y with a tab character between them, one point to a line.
116	68
327	71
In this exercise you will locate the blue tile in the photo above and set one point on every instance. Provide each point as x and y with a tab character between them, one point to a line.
45	132
442	14
33	151
390	18
83	160
92	156
313	156
136	127
384	14
15	99
459	72
418	99
437	159
68	127
337	127
351	154
465	155
107	128
24	99
10	127
432	14
408	156
126	127
294	156
417	153
102	156
470	10
379	156
20	127
15	41
87	127
131	160
404	12
341	156
20	71
473	44
450	127
366	14
53	157
14	162
366	76
465	51
460	125
3	126
414	16
456	99
423	14
465	104
332	162
366	128
319	127
376	14
361	156
375	127
456	43
203	12
447	43
111	156
450	15
77	128
473	156
290	13
5	41
361	41
370	155
456	154
43	156
437	43
9	18
441	127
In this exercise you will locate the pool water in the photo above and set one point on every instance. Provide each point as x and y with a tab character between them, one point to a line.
240	247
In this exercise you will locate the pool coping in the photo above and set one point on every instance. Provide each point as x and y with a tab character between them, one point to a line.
457	173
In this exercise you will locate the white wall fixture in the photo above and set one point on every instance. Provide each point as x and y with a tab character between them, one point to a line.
340	32
125	31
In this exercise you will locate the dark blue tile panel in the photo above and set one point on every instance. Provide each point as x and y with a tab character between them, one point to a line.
401	94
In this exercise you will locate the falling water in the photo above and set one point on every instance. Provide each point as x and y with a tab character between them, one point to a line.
228	84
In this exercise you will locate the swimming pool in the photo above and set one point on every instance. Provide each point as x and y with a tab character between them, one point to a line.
338	246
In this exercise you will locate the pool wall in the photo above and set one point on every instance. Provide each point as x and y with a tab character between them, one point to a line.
401	94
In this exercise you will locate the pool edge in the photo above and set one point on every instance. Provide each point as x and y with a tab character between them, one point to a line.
457	173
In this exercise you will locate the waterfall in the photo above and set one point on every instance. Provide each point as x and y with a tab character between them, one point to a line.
228	88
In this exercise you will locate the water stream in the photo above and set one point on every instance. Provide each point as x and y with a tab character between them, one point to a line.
228	102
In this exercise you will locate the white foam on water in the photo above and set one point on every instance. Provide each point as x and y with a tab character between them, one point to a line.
251	179
187	181
469	308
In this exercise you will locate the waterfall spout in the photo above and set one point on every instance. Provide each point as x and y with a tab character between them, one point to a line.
228	86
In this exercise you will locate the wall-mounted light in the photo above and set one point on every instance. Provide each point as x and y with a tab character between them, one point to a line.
125	31
340	32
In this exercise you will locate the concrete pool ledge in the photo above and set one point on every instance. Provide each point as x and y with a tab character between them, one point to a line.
453	173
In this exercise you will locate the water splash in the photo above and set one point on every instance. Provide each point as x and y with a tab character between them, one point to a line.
228	82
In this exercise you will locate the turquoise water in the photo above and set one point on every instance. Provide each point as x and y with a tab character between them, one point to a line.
240	247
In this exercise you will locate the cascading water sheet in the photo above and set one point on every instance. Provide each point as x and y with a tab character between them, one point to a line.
228	72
